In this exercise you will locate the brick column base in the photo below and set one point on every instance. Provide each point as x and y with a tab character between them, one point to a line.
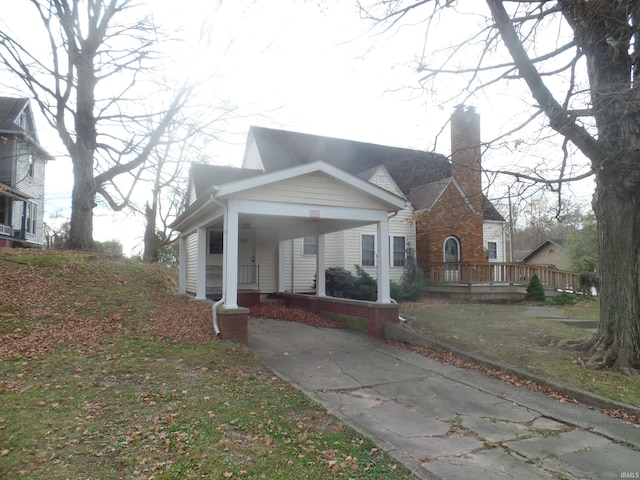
233	324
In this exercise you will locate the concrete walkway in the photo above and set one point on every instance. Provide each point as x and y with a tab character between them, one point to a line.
441	421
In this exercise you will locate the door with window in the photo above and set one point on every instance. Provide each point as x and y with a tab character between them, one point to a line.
452	256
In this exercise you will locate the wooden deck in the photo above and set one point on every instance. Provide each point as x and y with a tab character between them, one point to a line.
494	274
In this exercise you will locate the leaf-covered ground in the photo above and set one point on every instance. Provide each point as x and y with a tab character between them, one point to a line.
107	373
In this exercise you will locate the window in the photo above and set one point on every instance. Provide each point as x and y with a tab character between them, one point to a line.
493	250
368	250
216	242
451	250
32	164
31	215
399	251
310	245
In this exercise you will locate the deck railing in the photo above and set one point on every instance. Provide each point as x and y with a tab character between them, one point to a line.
471	273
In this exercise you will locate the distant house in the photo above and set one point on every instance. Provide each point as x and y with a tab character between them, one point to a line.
301	203
548	254
22	170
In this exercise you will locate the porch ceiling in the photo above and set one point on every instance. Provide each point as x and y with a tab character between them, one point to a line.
294	227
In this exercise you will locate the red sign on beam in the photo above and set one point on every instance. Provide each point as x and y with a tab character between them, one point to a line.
314	213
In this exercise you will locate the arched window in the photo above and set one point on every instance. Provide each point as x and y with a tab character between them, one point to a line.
451	250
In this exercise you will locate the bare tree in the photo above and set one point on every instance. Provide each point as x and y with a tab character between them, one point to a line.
87	83
580	62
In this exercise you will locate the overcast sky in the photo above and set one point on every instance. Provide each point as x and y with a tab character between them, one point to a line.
313	66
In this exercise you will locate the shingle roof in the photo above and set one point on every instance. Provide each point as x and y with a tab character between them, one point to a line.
424	196
203	176
409	168
10	108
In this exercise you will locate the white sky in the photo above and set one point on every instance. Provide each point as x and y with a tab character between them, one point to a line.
309	66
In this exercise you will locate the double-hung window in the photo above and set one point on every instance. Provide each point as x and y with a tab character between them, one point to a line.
310	245
493	250
31	216
368	250
399	251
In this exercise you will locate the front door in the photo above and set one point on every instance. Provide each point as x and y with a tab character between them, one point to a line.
452	255
247	257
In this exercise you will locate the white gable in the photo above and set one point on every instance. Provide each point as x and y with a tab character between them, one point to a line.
381	177
252	157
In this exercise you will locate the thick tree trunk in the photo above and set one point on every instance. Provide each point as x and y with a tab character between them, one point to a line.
617	342
82	203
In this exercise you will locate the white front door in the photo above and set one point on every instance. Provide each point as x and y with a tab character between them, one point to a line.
247	257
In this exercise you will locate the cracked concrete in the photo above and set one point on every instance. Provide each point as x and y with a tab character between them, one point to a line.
441	421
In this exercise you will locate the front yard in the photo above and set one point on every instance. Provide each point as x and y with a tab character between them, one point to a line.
504	333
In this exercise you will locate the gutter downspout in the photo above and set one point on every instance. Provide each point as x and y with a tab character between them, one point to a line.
223	296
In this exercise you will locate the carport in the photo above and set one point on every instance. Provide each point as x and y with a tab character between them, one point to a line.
310	199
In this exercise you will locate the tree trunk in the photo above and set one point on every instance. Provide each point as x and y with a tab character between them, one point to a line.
82	204
617	342
151	240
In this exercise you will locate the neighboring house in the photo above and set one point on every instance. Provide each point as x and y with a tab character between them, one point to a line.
548	254
22	169
301	203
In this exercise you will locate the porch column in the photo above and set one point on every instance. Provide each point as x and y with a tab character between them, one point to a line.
320	261
281	266
201	272
182	275
384	293
230	266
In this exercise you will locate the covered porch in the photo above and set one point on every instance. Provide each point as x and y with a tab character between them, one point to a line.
252	219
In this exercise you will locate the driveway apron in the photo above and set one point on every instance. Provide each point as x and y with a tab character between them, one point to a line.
441	421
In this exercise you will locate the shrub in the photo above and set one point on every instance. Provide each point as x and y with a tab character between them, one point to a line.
338	281
564	299
535	290
588	281
365	286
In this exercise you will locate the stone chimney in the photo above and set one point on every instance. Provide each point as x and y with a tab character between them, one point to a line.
465	153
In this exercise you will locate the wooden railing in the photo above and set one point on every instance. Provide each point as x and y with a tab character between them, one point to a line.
505	273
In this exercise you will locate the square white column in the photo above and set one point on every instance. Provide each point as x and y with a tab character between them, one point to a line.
384	289
320	268
281	254
230	261
182	273
201	273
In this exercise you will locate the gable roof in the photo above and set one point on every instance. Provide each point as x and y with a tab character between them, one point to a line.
203	176
10	110
409	168
540	247
420	175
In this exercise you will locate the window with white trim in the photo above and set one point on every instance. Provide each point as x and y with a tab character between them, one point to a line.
399	251
216	242
368	250
493	250
310	245
31	215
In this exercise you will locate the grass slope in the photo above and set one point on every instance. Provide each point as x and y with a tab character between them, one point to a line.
107	373
504	333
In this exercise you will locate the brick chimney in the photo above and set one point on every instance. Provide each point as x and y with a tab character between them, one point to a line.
465	153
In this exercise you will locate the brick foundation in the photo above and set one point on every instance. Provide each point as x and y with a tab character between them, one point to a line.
233	324
374	314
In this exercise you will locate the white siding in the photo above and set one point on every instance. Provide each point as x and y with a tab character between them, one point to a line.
192	262
383	179
267	260
312	188
32	186
494	232
252	157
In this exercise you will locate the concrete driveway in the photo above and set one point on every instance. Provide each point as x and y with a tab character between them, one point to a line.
441	421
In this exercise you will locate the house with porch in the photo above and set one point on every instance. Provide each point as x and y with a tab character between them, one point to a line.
22	169
301	203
